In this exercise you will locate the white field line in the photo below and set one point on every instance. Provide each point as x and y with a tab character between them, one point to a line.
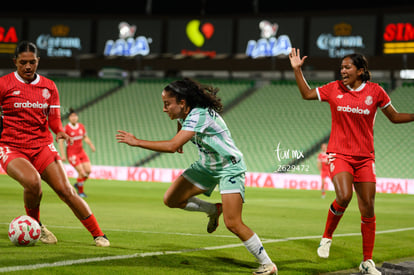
160	253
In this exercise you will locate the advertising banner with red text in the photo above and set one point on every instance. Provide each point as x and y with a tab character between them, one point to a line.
253	179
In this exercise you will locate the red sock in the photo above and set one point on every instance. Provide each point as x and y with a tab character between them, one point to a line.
80	182
92	225
335	214
34	213
368	226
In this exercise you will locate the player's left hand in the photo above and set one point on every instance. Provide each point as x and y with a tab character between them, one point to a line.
125	137
64	136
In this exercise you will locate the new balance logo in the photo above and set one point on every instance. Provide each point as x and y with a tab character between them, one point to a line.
356	110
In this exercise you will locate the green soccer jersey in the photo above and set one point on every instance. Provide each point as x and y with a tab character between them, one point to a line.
216	148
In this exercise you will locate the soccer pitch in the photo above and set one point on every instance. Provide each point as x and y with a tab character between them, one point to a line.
149	238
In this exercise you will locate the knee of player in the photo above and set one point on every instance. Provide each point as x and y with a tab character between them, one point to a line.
233	225
343	199
169	202
33	184
66	192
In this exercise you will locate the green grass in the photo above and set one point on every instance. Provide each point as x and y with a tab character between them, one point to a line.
135	220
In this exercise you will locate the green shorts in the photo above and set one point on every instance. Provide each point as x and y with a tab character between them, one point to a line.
230	180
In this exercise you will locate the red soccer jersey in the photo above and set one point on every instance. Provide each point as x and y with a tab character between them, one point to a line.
353	116
77	133
28	109
323	159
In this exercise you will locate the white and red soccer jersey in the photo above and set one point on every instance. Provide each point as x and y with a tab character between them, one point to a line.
28	110
77	133
353	115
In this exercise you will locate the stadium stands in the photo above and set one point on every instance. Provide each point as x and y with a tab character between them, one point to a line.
394	144
74	93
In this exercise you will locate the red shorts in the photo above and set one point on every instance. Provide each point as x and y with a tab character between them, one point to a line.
40	157
362	168
76	159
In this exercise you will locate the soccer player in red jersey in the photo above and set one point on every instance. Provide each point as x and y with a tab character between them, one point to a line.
30	106
354	101
323	167
76	156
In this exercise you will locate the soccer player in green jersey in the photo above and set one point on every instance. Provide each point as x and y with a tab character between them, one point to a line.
196	107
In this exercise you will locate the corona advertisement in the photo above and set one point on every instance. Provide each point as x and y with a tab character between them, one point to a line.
336	37
60	38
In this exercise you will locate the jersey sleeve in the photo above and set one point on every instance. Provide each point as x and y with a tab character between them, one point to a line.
195	121
383	98
84	131
2	89
54	118
324	91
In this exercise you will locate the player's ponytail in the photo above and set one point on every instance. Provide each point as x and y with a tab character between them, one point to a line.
25	46
195	94
361	63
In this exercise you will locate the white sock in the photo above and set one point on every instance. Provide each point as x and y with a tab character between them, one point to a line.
196	204
254	246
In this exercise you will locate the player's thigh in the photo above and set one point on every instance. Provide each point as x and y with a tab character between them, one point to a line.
55	176
25	173
232	207
180	191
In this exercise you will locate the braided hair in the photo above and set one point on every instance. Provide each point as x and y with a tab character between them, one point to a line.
195	94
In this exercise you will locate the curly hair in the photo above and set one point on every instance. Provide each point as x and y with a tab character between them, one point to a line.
195	94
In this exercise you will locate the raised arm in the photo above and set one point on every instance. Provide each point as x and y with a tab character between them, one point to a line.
395	117
168	146
296	62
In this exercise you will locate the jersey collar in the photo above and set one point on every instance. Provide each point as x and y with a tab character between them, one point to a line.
74	127
34	82
362	86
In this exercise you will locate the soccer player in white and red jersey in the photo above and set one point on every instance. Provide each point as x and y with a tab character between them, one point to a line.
323	167
354	101
30	106
75	154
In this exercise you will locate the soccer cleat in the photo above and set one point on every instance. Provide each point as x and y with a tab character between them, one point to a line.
82	195
102	241
46	236
324	246
76	187
214	219
368	267
266	269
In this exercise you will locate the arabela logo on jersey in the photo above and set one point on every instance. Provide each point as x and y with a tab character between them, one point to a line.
34	105
357	110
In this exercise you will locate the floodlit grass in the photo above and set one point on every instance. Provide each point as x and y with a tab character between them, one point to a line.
150	238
